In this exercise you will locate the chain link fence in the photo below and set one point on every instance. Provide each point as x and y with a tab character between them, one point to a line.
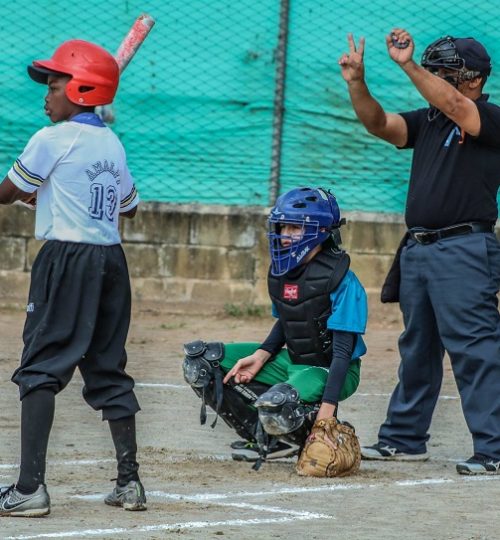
235	102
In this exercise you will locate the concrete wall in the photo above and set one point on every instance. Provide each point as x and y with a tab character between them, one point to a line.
208	254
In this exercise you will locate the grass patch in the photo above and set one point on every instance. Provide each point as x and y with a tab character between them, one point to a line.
243	311
173	326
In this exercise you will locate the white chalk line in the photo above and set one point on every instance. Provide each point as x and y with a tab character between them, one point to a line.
146	385
184	387
213	497
167	459
187	387
70	463
361	394
179	459
217	498
162	385
165	527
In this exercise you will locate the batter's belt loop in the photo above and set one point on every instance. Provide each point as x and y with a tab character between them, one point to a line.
429	236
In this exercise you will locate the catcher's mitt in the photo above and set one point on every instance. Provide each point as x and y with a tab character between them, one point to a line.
332	449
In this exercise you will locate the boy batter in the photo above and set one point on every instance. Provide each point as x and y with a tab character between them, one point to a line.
78	310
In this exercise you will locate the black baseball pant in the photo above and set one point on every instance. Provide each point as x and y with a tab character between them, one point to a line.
78	315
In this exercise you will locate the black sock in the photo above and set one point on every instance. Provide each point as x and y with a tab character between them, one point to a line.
37	415
123	433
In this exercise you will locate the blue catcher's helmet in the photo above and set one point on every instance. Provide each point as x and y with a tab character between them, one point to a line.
315	210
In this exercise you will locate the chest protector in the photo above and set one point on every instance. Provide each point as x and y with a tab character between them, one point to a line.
302	299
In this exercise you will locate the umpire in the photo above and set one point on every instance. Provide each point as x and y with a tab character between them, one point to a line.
450	258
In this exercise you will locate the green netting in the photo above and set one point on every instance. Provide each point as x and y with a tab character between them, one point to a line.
195	109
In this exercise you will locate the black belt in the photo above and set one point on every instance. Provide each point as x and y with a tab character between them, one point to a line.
429	236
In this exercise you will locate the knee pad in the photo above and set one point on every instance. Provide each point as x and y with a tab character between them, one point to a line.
280	411
201	362
202	371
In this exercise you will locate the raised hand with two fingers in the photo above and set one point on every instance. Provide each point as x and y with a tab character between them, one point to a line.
351	63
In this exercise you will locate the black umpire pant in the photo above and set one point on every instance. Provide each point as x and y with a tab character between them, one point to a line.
78	315
448	297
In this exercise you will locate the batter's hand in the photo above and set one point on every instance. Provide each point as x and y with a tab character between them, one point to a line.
400	46
351	63
31	200
246	368
28	202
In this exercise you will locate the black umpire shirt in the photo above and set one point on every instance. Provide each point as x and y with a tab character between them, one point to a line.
454	176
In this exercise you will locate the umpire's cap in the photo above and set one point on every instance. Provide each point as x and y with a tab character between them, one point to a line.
475	56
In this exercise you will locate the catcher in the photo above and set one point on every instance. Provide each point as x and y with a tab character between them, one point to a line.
278	393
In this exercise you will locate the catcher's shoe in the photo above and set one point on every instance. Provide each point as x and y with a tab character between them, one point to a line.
130	497
243	445
249	451
384	452
478	464
16	504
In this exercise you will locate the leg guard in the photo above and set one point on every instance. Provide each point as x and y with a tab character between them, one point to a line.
238	410
233	402
299	435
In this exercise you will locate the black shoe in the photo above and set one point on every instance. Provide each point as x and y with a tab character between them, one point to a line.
478	464
249	451
243	445
384	452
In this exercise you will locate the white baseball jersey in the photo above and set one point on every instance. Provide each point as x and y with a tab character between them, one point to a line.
80	171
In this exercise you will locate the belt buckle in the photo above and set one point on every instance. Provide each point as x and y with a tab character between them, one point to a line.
425	237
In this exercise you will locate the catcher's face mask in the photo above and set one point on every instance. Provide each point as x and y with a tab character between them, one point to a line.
302	219
279	409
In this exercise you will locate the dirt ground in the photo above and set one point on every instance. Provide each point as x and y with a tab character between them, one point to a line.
196	491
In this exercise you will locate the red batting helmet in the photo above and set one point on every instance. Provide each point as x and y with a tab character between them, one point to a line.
93	70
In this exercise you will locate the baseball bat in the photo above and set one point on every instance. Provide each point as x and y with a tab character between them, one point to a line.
128	47
133	40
